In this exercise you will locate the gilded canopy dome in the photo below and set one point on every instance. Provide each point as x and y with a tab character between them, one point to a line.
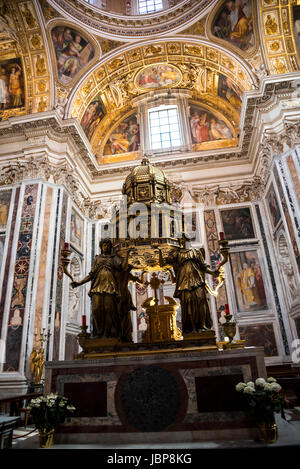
147	183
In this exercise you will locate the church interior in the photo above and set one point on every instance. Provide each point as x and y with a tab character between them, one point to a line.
194	103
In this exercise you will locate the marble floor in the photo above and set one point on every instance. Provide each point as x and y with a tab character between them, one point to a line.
288	436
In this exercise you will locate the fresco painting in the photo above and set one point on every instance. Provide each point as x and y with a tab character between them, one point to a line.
12	92
234	23
72	52
205	126
124	138
296	16
92	117
158	76
228	90
76	235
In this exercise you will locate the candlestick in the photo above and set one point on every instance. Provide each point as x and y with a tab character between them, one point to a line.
83	320
221	236
227	309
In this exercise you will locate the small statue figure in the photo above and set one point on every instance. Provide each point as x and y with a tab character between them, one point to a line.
190	270
105	290
37	361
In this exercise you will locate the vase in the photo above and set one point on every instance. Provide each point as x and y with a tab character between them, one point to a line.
46	438
268	431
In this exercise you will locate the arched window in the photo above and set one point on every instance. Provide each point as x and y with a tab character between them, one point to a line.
164	128
149	6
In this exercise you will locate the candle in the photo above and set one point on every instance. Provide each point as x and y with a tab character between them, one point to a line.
221	235
227	309
67	246
84	320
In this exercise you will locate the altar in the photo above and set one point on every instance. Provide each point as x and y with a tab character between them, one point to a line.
156	395
174	385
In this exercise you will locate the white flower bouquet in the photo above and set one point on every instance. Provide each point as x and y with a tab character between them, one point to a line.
48	412
262	398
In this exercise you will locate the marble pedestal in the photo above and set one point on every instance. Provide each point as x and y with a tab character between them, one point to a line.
160	396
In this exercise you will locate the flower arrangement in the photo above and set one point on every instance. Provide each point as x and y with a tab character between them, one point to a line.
262	398
48	412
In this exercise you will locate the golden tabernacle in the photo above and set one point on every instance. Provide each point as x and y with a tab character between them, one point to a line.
147	234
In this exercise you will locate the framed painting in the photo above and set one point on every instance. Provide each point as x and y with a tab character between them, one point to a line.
248	281
237	223
5	197
76	232
260	335
234	24
273	207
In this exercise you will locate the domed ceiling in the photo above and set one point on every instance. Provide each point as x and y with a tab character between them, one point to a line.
98	63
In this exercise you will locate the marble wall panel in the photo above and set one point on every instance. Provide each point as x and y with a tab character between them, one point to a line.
59	281
8	257
21	274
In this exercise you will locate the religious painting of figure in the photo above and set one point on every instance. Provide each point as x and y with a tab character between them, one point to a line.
158	76
296	16
237	223
234	23
260	335
248	281
229	91
76	235
12	94
273	207
72	52
205	126
124	138
5	197
92	117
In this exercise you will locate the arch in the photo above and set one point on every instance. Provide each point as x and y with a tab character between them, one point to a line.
120	66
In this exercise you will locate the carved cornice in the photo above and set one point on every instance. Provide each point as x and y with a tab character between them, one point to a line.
280	142
50	124
246	191
31	168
